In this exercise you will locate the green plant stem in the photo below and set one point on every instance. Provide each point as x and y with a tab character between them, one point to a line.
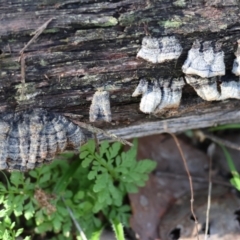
118	229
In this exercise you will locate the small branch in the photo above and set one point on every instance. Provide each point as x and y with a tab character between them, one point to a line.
190	180
75	221
22	59
211	149
100	131
36	34
194	179
97	143
218	140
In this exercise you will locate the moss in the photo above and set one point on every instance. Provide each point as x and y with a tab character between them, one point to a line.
180	3
105	22
51	30
127	19
25	91
43	63
12	40
170	24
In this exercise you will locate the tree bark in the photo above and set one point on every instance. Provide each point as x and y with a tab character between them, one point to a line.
91	44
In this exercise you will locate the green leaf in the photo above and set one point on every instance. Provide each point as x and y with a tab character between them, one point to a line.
39	217
29	210
67	194
116	194
135	176
115	148
122	169
64	180
19	231
145	166
101	182
44	169
16	178
91	146
45	178
44	227
2	213
33	174
86	162
124	208
66	228
92	175
67	155
224	127
18	209
103	148
97	207
57	223
127	160
83	154
118	160
6	235
235	181
79	195
1	199
131	188
7	220
103	195
27	238
141	182
2	188
62	210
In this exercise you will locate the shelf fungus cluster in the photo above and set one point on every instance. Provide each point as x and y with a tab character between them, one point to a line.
203	68
31	138
236	63
158	50
205	60
159	96
100	108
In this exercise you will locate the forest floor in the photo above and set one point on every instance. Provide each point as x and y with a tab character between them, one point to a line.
162	209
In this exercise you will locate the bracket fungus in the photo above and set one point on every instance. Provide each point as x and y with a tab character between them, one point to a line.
206	88
205	61
100	107
158	50
236	63
160	95
31	138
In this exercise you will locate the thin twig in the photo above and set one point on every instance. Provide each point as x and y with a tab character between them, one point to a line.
75	221
100	131
190	180
219	140
36	34
97	143
211	149
22	93
194	179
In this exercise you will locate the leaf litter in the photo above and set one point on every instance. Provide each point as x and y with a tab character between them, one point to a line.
161	209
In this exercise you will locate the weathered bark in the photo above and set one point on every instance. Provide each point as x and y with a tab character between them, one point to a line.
90	44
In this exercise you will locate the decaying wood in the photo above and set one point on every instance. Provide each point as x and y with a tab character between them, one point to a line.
92	44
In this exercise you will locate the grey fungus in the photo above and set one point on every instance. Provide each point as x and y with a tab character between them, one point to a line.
236	63
158	50
205	60
206	88
100	108
33	137
159	96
